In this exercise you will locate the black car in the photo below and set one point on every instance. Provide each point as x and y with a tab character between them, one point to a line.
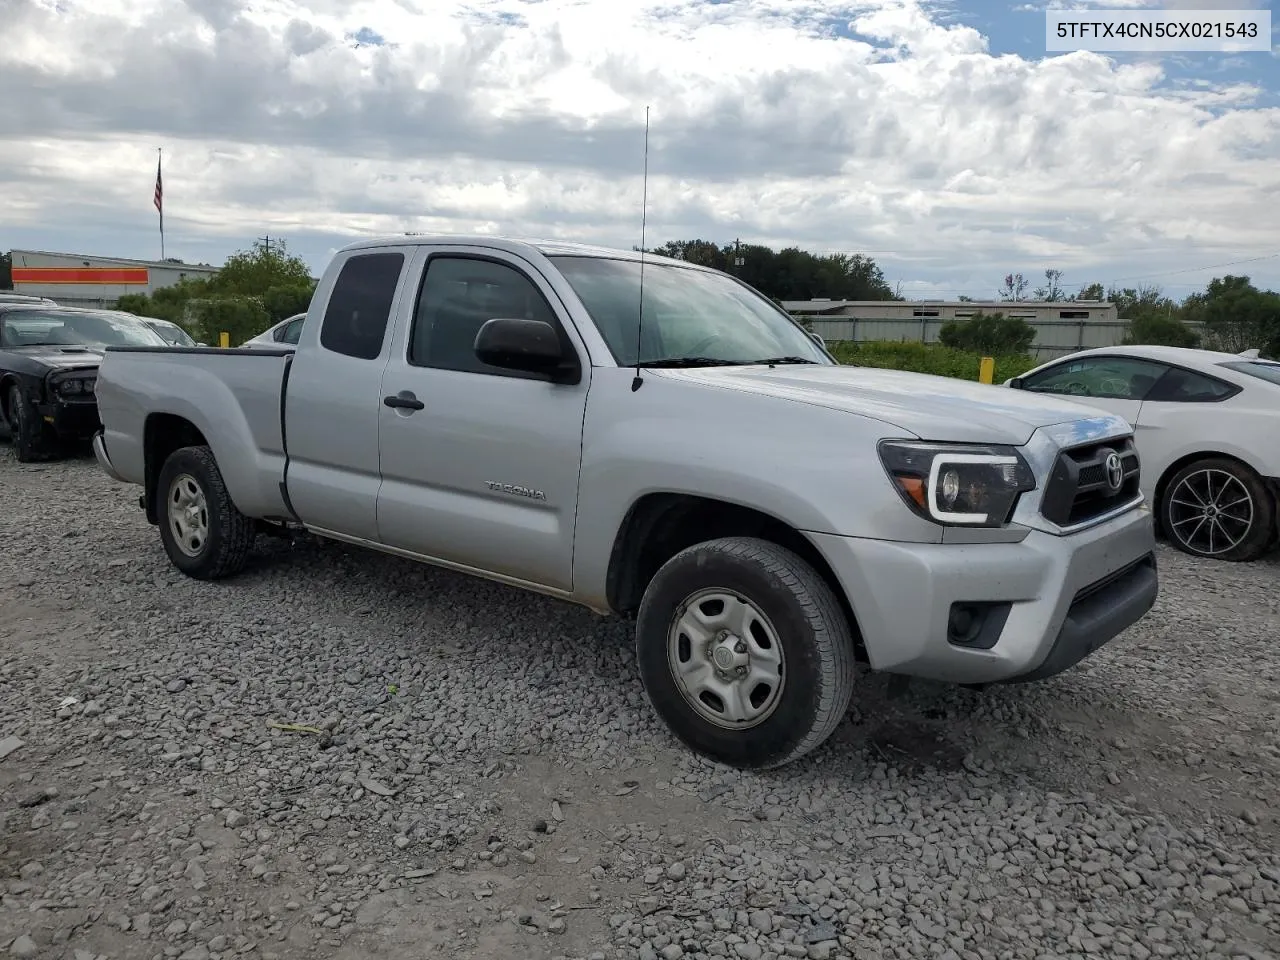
49	358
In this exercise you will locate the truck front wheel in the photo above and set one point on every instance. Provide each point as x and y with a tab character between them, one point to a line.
204	534
744	652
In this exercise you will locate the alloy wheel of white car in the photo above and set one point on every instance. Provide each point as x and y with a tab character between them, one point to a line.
1218	508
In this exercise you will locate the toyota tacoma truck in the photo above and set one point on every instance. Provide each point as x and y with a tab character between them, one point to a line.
651	438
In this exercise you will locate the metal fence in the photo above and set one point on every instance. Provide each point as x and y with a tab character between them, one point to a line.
1054	338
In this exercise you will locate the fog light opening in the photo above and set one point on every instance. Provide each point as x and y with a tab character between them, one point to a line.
965	623
977	624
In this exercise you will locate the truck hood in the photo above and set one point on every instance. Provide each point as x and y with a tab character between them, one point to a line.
931	407
58	357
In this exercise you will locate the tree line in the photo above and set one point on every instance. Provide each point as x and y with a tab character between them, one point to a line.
1232	313
264	284
787	274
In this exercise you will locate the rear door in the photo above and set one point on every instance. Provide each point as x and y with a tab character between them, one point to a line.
481	469
1184	409
332	395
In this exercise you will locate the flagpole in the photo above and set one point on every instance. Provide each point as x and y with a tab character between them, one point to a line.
160	197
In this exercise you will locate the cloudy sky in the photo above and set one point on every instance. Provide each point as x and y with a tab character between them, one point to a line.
937	137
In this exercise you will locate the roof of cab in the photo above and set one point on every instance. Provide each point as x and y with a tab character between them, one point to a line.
518	246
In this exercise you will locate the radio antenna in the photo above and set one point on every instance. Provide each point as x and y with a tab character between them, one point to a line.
644	208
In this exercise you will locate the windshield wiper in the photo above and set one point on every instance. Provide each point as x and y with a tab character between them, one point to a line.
690	362
774	361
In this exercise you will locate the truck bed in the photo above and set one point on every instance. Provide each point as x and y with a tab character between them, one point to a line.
231	398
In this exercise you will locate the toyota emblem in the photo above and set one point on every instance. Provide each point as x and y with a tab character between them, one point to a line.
1115	471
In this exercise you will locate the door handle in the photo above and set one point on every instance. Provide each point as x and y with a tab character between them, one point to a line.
404	401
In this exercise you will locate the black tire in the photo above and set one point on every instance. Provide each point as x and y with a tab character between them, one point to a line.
817	646
228	534
26	432
1178	521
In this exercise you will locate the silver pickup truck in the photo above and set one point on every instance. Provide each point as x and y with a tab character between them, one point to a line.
645	436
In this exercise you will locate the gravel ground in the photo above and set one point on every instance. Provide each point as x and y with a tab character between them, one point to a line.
484	778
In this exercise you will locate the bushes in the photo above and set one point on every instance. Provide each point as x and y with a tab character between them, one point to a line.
988	334
1161	331
932	358
167	303
284	301
241	317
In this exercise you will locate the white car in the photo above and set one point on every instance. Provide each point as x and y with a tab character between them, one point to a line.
283	335
173	334
1207	430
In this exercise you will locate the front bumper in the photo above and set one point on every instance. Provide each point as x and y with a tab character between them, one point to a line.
71	419
1056	599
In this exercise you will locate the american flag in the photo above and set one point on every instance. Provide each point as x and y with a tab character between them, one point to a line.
159	198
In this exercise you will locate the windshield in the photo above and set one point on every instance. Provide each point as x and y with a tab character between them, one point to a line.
687	313
51	328
1257	368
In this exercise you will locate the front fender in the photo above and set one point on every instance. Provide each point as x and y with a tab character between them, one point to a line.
813	468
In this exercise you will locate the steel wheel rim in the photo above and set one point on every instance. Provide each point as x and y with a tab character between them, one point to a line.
726	659
188	515
1211	512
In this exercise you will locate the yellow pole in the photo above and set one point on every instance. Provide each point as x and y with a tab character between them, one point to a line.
224	340
987	369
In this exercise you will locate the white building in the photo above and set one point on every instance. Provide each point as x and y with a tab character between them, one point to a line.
80	280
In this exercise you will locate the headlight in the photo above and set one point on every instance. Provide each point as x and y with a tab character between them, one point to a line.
957	484
76	386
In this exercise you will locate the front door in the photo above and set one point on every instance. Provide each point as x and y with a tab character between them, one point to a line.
1116	384
479	464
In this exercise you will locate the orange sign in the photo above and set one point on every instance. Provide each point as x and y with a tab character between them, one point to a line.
117	275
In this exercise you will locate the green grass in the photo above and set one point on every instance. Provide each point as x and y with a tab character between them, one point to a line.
926	358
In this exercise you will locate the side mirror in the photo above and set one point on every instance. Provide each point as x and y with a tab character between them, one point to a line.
817	338
528	345
1015	382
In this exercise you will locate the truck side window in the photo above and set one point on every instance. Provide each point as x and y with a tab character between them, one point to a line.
458	296
355	321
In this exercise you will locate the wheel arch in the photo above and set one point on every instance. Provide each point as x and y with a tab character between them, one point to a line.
6	381
659	525
11	378
164	433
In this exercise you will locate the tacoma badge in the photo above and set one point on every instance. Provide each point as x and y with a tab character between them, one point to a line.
515	490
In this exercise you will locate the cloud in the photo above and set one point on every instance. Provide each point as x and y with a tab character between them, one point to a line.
887	127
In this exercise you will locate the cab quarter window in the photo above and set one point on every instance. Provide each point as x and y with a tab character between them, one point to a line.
458	296
355	320
1114	378
1187	386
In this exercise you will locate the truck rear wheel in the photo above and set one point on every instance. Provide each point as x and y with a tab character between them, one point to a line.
204	534
744	652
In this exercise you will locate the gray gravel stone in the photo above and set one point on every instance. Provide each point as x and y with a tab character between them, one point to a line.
453	714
